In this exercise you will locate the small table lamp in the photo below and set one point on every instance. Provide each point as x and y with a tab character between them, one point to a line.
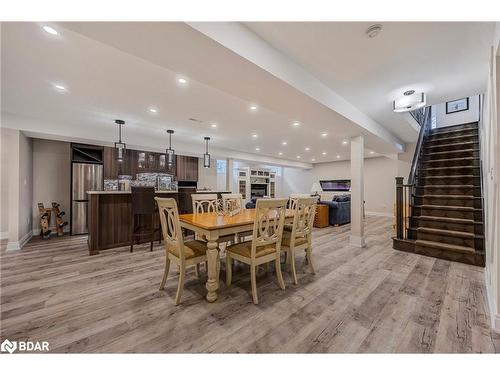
316	187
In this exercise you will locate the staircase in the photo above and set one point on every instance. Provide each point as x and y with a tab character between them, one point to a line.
446	218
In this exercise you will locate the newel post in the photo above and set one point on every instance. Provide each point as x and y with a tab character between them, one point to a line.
399	207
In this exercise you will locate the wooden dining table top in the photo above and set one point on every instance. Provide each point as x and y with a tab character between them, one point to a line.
212	221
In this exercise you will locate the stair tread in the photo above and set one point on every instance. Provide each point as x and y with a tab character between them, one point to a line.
446	186
452	176
452	208
433	133
455	196
451	138
446	232
452	167
445	246
457	127
448	219
452	151
454	144
451	159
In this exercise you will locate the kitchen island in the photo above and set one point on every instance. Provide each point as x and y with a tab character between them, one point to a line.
109	219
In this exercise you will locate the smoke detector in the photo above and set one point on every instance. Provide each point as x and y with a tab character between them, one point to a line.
373	30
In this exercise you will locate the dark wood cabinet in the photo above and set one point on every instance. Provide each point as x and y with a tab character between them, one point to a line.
187	168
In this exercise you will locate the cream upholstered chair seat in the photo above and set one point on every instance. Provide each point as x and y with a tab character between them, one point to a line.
299	237
265	245
287	239
192	249
245	249
184	254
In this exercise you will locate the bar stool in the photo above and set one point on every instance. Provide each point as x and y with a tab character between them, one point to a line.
143	213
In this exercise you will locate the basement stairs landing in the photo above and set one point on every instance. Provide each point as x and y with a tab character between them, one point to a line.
446	219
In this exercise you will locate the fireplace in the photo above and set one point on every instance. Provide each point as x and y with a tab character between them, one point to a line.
258	190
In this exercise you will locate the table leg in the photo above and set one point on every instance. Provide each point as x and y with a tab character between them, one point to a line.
213	274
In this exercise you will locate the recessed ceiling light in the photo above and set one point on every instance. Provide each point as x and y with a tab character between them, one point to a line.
254	135
313	159
345	141
338	156
323	153
307	149
372	152
60	88
50	30
298	156
280	153
284	143
324	134
296	123
213	125
153	110
257	149
253	107
182	81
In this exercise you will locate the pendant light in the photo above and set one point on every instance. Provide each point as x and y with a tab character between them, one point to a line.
170	154
206	155
120	146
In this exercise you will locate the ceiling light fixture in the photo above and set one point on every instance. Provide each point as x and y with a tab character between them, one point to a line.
50	30
338	156
182	81
313	159
254	135
120	146
206	155
280	153
307	149
257	149
213	125
373	30
296	123
410	101
284	143
298	156
324	134
372	152
345	141
323	153
153	110
169	151
60	88
253	107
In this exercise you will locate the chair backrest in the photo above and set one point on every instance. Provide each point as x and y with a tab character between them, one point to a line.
268	224
170	225
303	220
230	198
292	200
143	200
204	203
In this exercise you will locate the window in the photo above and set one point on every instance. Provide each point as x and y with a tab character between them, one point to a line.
221	166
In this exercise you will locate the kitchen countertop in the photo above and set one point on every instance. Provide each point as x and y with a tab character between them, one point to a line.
128	192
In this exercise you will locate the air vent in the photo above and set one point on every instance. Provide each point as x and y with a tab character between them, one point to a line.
195	120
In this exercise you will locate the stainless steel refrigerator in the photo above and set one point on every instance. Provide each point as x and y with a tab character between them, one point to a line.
85	177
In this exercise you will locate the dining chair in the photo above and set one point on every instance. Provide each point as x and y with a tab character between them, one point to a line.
207	203
184	254
237	199
265	245
300	235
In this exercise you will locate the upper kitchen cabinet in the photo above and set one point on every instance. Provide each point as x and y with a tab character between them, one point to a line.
187	168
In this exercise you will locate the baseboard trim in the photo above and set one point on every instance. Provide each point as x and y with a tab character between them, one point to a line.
495	318
18	245
4	235
384	214
357	241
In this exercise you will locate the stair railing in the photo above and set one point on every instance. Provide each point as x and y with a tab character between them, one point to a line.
406	192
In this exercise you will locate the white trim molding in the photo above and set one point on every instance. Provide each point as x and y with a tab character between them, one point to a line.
383	214
18	245
4	235
357	241
494	316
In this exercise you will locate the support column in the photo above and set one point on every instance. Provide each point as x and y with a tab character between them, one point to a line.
357	237
229	174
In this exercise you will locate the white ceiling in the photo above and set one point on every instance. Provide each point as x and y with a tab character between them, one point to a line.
447	60
120	70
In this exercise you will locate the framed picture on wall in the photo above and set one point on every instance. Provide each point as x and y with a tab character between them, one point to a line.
458	105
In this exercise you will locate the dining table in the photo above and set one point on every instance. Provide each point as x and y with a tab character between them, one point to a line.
211	226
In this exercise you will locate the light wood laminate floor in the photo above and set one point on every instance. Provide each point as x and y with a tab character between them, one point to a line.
374	299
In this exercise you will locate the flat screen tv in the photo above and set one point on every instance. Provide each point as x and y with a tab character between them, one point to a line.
335	185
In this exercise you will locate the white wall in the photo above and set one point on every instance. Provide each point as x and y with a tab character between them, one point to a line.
490	160
379	178
51	177
471	115
17	176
